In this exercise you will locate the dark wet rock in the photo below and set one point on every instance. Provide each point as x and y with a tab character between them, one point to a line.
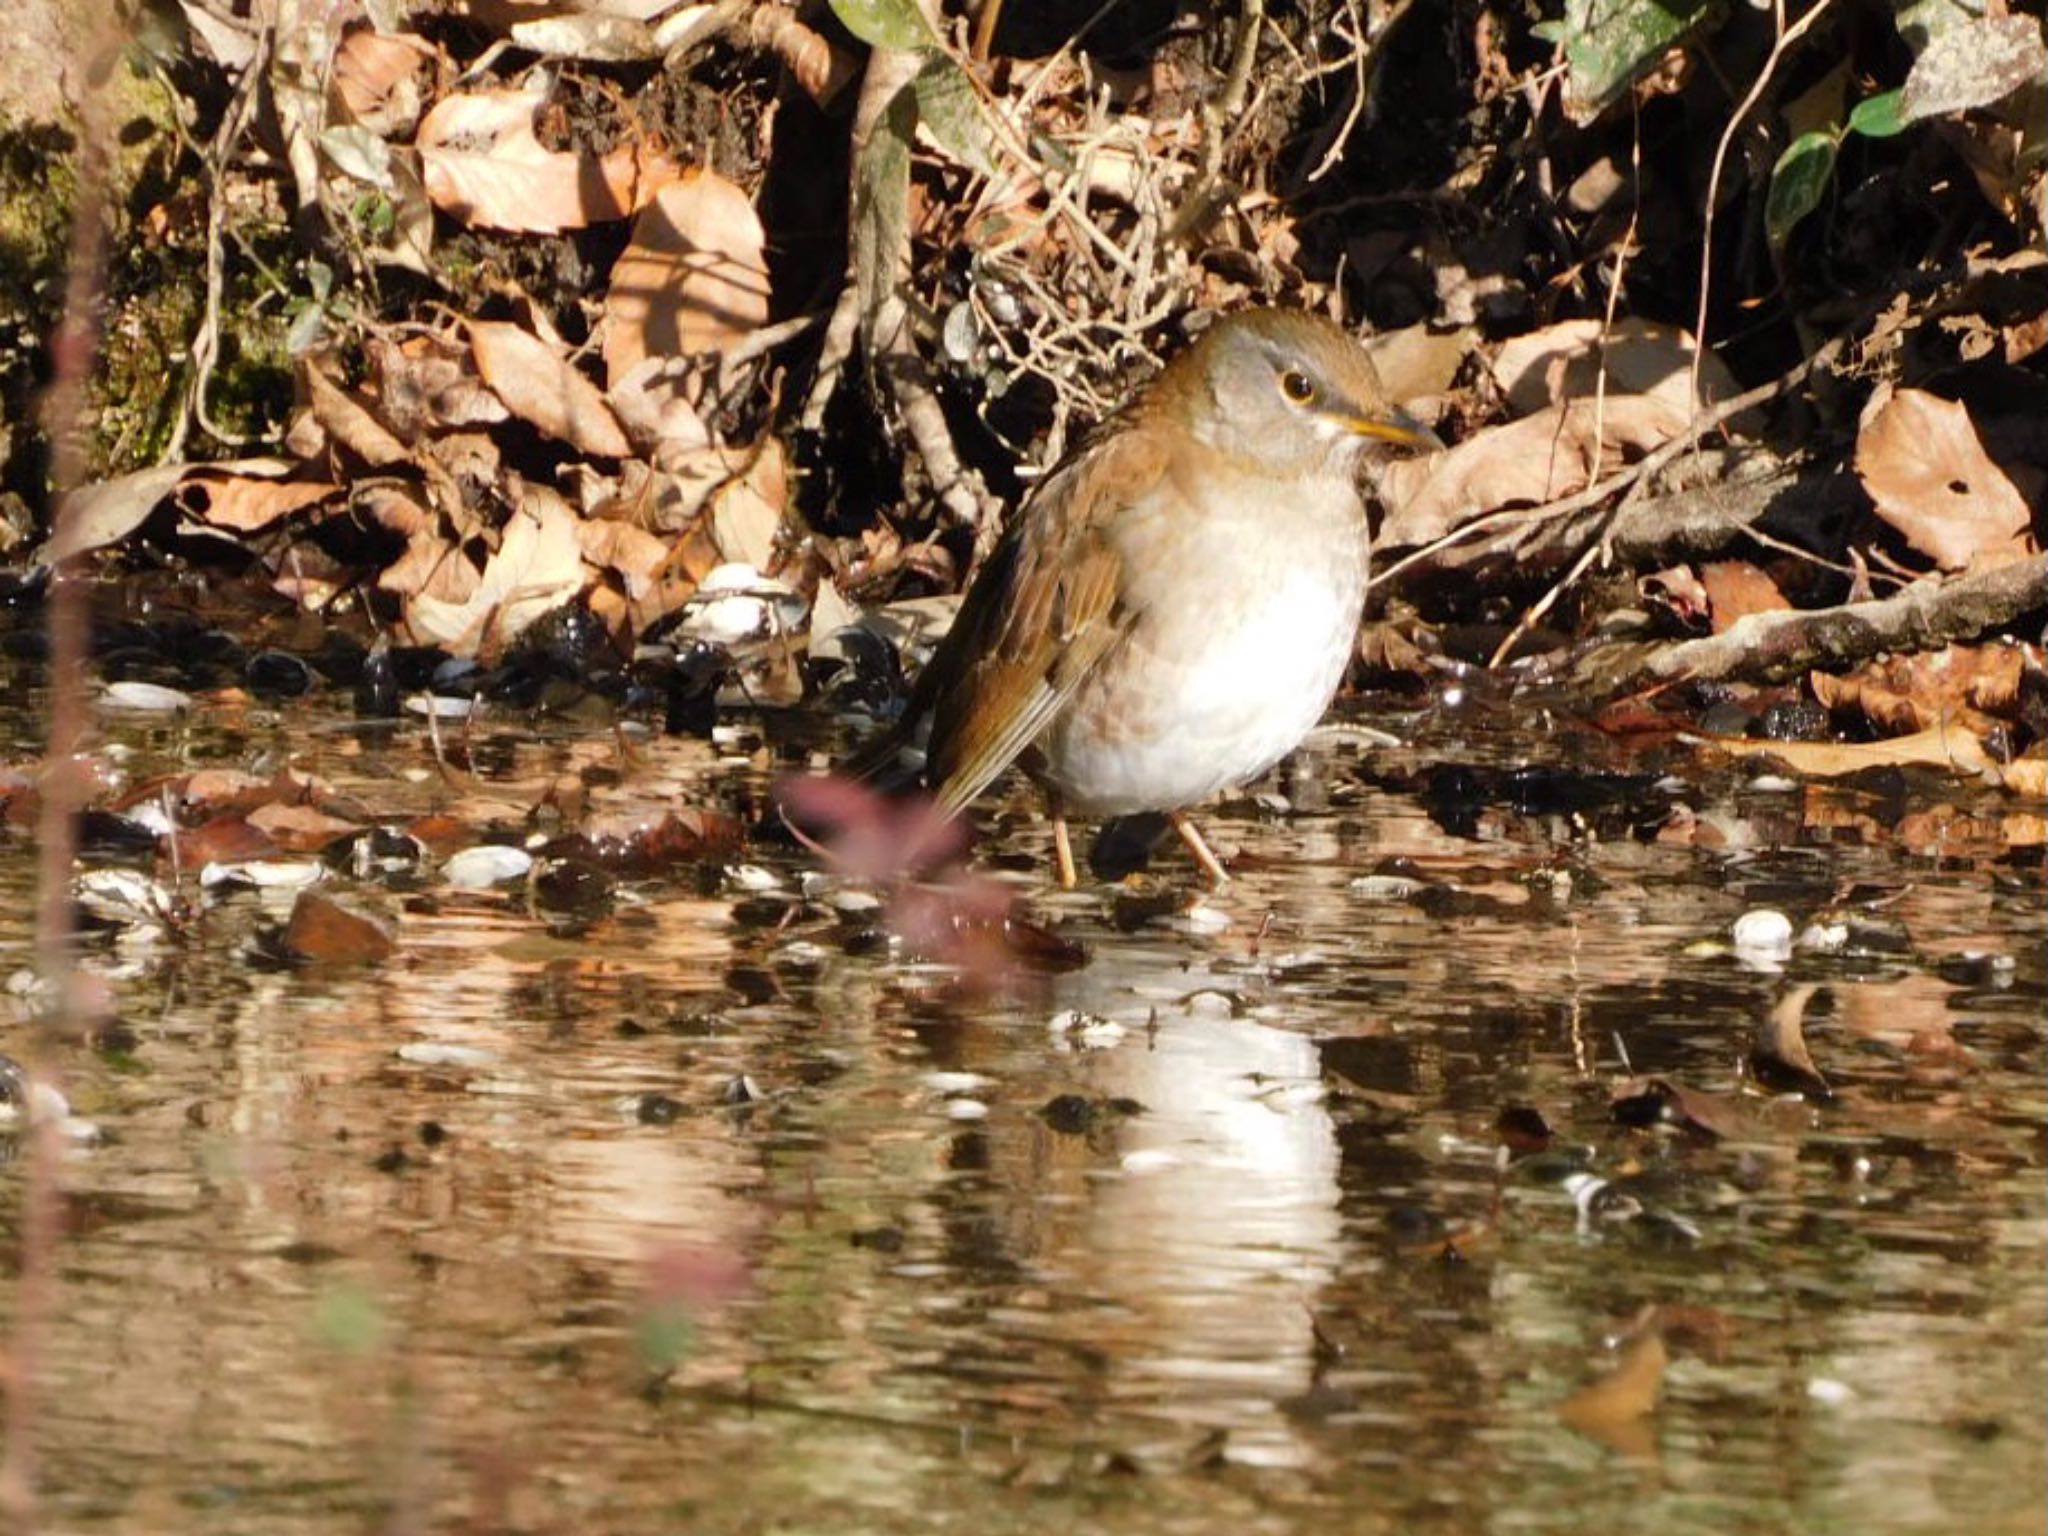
393	1159
1726	718
108	832
1412	1225
686	677
1608	805
1069	1113
572	886
864	938
377	689
432	1133
1124	845
752	984
1522	1128
879	1239
278	675
377	853
1073	1114
866	675
1794	720
340	658
657	1109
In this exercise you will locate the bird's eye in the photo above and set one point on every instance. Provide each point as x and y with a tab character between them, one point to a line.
1297	386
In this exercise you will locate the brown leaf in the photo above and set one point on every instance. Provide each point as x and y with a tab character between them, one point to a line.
1735	589
1615	1409
228	839
1562	362
299	828
104	513
484	166
1937	747
543	387
1780	1057
1523	463
654	402
347	419
322	929
1921	461
821	69
377	80
538	566
246	503
1972	686
427	383
746	512
694	278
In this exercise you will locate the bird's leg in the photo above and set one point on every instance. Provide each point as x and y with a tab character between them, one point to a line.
1062	843
1198	845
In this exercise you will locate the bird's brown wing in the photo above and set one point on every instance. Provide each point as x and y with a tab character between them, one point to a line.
1045	610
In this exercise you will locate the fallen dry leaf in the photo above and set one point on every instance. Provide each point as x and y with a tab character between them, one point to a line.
1616	1408
538	567
694	278
1779	1057
428	383
1938	747
543	387
1523	463
1735	589
299	828
246	503
1642	357
346	419
322	929
377	80
104	513
484	166
1924	466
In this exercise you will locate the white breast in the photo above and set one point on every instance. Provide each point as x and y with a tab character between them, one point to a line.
1229	663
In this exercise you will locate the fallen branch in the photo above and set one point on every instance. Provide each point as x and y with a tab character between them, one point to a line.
1775	647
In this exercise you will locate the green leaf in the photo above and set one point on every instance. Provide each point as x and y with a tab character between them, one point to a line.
1611	44
948	105
1798	182
1879	117
1549	32
881	204
887	23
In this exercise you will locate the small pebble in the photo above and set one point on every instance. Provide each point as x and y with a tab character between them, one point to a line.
1763	935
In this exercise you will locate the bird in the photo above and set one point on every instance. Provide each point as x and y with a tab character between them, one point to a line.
1172	607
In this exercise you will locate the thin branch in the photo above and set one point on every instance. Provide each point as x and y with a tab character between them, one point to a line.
1787	36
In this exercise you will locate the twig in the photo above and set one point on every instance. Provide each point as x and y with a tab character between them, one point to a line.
1598	546
1787	36
1771	647
1364	61
205	349
1645	467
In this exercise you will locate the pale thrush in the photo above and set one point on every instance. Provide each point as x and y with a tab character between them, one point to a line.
1172	608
